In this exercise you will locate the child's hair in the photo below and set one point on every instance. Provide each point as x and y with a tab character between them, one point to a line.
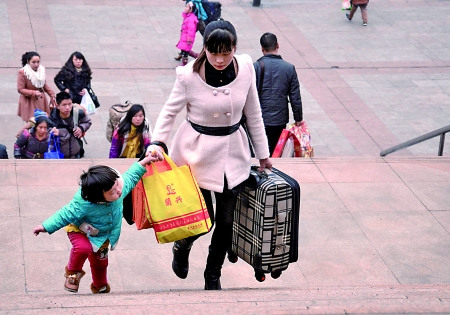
26	57
219	37
96	181
61	96
192	6
125	124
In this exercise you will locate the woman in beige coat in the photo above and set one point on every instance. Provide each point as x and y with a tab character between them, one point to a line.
31	86
216	90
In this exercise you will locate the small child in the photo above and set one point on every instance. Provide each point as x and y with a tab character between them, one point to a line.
187	35
93	220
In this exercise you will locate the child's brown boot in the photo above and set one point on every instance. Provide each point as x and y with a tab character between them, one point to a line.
73	280
104	289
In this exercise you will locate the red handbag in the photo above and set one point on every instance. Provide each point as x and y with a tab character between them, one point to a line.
286	136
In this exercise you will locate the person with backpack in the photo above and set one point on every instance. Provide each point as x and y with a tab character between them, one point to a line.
187	33
70	123
33	143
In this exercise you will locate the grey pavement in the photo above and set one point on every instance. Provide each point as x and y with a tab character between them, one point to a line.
374	232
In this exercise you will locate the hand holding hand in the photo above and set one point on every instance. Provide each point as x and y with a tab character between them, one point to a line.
149	158
155	151
39	229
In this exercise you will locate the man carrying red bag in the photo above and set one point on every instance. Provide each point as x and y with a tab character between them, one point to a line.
277	81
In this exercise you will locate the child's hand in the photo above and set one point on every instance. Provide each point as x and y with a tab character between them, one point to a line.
156	151
149	158
39	229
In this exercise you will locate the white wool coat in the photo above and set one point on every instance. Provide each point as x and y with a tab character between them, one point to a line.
212	158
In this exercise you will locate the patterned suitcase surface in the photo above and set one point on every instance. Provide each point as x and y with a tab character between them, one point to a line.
265	228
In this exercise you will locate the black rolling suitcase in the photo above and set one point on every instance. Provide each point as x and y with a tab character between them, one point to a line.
266	222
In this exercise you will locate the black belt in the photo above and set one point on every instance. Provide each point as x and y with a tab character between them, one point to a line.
218	131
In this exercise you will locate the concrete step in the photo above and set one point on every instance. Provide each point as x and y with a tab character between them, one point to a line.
380	299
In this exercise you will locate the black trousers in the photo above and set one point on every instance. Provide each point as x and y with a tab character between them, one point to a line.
273	134
222	220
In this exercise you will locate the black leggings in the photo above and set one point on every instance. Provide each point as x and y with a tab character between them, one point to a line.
223	219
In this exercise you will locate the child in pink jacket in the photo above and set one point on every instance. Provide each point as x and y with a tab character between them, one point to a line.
187	35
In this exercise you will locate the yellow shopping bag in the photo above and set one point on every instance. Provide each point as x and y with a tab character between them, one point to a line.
175	204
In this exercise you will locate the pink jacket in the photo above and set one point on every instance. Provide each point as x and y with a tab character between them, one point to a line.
27	101
213	157
188	30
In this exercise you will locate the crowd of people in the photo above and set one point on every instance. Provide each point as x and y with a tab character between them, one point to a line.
220	91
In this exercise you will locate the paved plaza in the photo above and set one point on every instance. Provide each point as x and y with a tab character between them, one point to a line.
374	232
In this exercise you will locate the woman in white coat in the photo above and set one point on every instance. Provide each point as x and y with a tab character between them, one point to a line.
216	90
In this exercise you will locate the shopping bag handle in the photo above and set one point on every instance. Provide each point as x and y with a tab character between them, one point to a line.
167	159
55	142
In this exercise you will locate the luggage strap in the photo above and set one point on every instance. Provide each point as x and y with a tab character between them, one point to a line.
217	131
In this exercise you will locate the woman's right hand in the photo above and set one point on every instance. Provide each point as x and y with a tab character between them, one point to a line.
55	131
37	93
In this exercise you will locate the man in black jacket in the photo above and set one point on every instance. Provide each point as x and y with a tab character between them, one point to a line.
69	123
277	81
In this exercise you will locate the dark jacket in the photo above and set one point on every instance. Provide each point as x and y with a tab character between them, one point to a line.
27	146
280	82
74	81
70	145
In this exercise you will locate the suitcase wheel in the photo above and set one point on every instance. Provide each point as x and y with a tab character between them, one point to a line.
276	274
260	276
232	257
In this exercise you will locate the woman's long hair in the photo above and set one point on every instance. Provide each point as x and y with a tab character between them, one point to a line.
219	37
68	70
125	124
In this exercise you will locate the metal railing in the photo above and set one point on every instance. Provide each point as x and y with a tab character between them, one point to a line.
439	132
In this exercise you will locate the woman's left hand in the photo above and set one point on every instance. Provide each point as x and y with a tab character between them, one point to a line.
82	92
52	102
264	163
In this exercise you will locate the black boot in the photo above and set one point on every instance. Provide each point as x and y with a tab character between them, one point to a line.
213	270
212	279
180	262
